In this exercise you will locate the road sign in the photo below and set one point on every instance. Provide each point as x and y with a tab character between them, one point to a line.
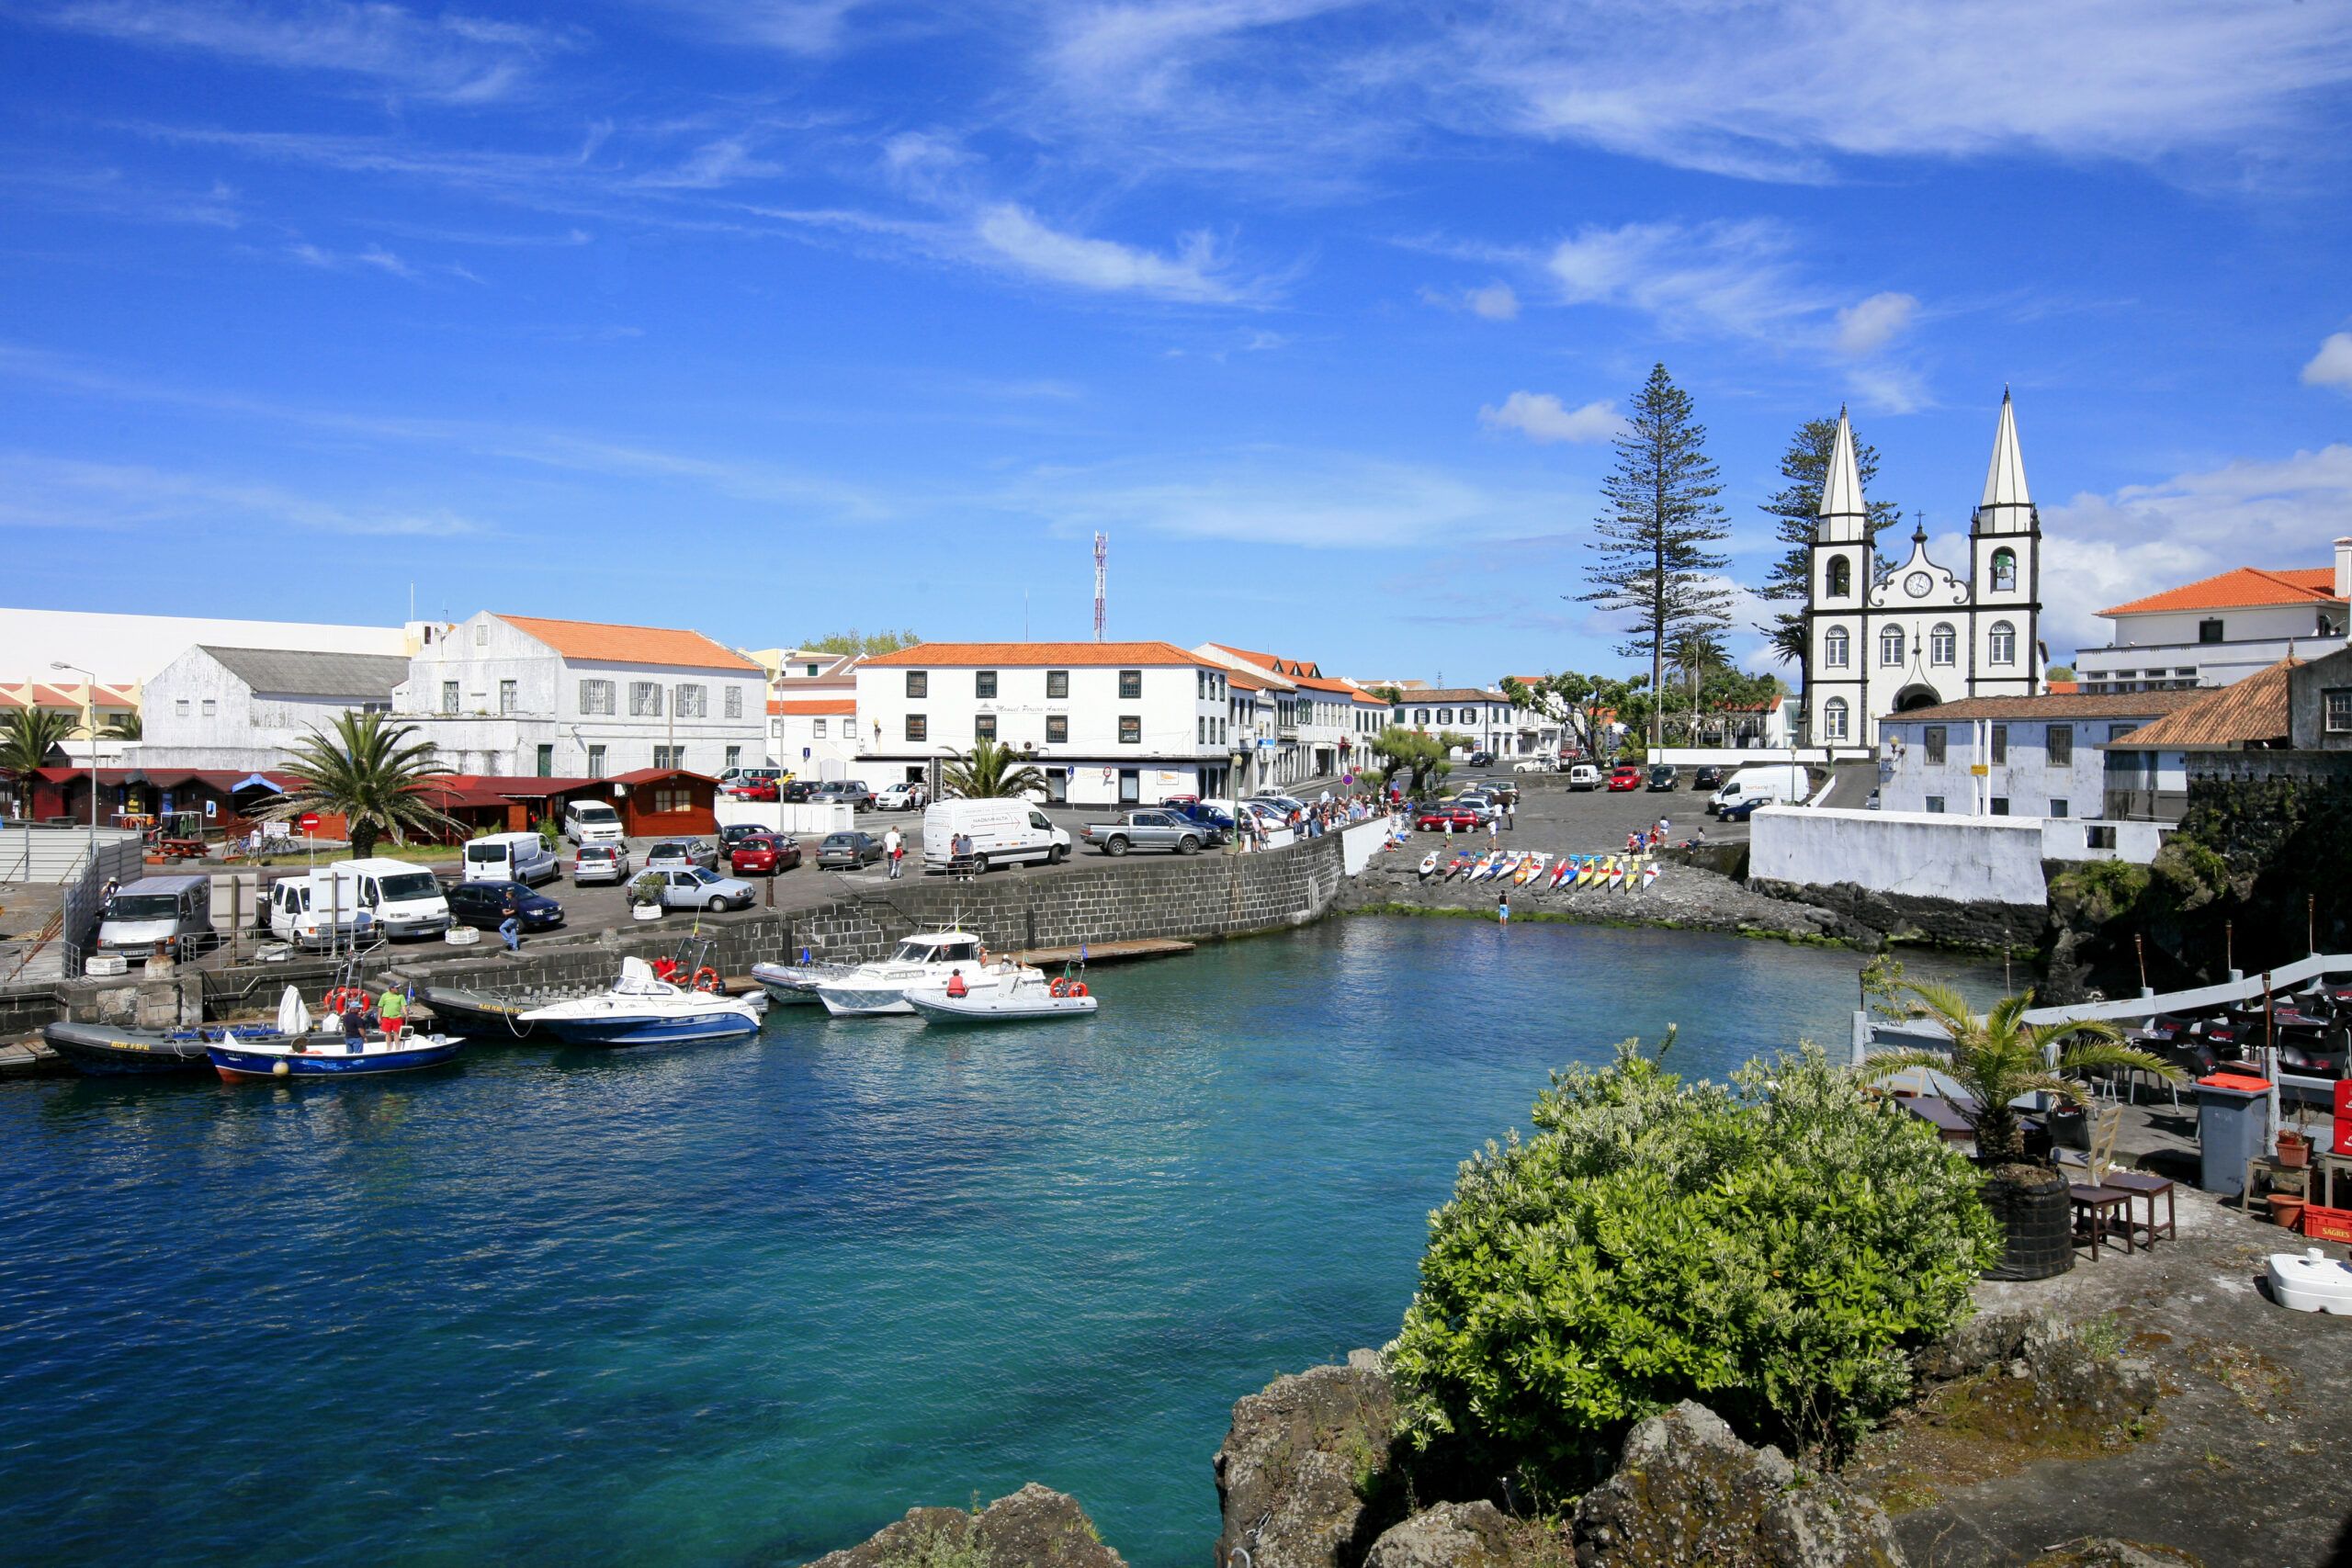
804	753
308	821
1980	770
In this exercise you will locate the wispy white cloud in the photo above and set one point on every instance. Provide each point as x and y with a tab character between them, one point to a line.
2332	365
1544	419
1495	301
810	27
1865	328
51	492
715	164
1194	273
451	58
1735	277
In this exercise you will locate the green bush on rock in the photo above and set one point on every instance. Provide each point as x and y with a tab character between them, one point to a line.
1772	1248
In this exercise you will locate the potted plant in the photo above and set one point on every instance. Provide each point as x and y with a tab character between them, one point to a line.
645	896
1995	1058
2294	1144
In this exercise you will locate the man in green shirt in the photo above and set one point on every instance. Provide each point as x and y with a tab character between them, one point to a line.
392	1011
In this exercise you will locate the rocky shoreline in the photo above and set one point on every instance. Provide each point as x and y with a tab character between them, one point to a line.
1684	898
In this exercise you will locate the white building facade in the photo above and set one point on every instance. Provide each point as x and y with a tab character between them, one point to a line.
519	694
1487	718
814	738
2039	757
1885	636
247	707
2220	630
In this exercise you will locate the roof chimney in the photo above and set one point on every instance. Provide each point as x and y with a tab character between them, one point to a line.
2344	568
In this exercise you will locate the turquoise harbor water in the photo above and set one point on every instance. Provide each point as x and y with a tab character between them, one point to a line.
747	1304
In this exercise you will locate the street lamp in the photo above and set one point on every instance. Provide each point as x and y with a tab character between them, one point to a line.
90	728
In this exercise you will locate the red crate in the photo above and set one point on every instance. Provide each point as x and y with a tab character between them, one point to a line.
2323	1223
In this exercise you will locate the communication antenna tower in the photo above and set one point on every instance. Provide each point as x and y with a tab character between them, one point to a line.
1102	581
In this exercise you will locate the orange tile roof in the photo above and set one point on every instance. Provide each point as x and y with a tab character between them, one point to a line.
1371	698
1020	655
2064	688
2246	588
818	705
2056	706
2223	718
1324	683
1248	683
611	644
1300	670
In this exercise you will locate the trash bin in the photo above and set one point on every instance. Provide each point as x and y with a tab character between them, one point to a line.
2233	1127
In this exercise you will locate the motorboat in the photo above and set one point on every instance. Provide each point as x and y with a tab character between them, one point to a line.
327	1055
1015	996
642	1008
107	1050
795	985
925	960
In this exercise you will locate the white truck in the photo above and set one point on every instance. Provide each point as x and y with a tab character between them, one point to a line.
358	900
1766	784
1002	832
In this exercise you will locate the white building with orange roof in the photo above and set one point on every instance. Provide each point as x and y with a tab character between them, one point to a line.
524	694
1318	728
814	737
2221	629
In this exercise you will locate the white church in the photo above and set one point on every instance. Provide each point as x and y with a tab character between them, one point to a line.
1886	636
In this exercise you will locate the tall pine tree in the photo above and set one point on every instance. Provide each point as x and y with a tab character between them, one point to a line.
1805	467
1657	560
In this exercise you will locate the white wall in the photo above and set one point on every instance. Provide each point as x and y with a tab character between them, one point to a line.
832	755
2025	779
133	648
1970	860
225	725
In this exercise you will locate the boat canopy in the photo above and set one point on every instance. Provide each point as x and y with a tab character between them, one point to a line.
638	979
953	947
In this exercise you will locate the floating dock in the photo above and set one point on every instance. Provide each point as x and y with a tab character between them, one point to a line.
29	1057
1106	951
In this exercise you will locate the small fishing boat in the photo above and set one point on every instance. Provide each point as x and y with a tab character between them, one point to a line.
326	1056
1014	997
642	1008
926	960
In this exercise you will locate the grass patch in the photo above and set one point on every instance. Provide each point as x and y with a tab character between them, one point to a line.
1977	1429
948	1547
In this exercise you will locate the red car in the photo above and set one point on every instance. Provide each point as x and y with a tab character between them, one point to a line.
1627	776
1437	818
753	789
761	852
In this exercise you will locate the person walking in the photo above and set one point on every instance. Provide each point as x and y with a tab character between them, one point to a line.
1494	833
511	927
895	846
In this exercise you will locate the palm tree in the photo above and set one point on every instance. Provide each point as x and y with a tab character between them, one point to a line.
373	777
991	771
28	738
1691	656
1999	1057
126	727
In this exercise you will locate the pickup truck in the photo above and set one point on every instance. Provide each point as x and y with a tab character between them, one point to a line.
1145	830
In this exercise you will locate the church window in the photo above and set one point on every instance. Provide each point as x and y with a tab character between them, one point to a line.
1833	719
1833	648
1842	578
1890	646
1944	644
2005	570
2001	647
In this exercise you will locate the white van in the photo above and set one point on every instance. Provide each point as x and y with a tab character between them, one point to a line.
296	917
1770	784
593	822
398	898
153	909
1001	831
510	857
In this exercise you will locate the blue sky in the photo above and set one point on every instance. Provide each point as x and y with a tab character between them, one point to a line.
773	317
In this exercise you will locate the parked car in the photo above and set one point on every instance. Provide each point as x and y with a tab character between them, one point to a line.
1001	832
735	777
1741	810
693	888
753	788
1445	814
1665	775
593	822
1282	803
1707	778
1215	824
796	792
1482	758
1145	830
1584	775
1626	776
904	795
482	905
602	862
735	833
772	854
671	853
852	793
848	852
510	857
1532	765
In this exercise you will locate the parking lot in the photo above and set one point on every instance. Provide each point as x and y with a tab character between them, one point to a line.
1558	820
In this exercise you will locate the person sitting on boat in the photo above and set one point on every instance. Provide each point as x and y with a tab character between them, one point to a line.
955	987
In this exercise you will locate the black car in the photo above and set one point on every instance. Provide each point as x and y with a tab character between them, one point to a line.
1741	810
1707	778
1482	758
1663	775
794	792
735	833
848	852
482	905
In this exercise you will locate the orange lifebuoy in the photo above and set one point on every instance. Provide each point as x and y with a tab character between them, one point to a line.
342	998
1060	987
1078	989
706	979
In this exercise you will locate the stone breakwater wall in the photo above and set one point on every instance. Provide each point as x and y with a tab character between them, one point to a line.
1919	918
1683	898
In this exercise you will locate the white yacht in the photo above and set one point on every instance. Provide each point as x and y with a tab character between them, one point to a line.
644	1009
923	961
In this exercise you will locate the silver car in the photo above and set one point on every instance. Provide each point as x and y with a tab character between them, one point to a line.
691	888
1146	830
601	863
672	852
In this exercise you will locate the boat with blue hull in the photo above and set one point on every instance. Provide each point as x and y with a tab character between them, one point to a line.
328	1056
644	1009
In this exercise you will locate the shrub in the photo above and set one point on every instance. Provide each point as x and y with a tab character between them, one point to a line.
1771	1247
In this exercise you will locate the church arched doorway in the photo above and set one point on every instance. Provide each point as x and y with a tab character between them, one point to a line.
1915	696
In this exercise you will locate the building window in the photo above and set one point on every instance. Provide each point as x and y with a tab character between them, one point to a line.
2005	570
507	702
546	761
673	797
1932	738
2336	707
1130	729
1058	683
2000	743
1057	729
595	696
668	757
448	696
211	707
1833	719
694	702
2000	805
1420	716
1944	644
983	684
734	757
734	702
918	682
1833	647
984	726
2060	745
1202	738
180	707
481	634
2001	647
817	729
2098	837
2059	809
1130	787
1841	577
2209	631
917	726
1890	646
2118	731
595	762
1130	685
644	699
1935	804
